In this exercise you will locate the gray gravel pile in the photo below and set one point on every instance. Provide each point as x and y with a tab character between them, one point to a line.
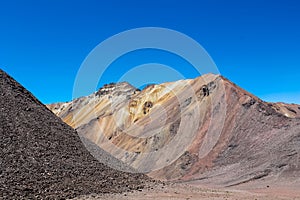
43	158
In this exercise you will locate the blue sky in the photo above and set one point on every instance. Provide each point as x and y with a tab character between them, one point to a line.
256	44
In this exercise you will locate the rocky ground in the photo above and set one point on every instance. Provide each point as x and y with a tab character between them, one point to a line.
43	158
189	192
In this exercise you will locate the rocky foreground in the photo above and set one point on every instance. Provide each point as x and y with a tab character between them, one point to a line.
188	192
43	158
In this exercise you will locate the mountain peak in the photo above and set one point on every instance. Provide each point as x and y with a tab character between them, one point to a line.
112	87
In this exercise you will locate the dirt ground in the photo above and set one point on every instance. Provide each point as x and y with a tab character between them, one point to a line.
188	192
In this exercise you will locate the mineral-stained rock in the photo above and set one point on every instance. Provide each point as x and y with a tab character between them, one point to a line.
207	130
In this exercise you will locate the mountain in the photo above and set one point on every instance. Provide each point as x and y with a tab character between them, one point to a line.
42	157
204	131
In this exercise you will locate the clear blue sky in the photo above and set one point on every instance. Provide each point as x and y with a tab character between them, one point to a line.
256	43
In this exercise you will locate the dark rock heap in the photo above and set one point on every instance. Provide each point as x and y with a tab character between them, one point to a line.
42	157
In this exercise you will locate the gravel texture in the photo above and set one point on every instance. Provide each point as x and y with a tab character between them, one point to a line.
43	158
193	192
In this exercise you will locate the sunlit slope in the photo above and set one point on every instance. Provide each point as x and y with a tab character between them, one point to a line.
198	129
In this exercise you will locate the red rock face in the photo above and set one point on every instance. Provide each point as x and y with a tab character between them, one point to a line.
206	130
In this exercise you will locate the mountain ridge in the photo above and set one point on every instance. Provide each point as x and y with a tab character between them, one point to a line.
220	120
